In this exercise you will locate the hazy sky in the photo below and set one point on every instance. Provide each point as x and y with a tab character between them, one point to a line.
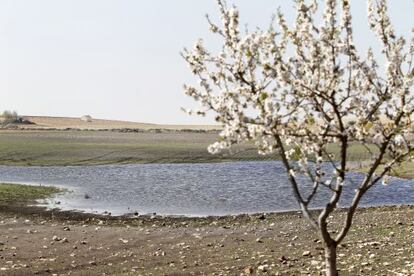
119	59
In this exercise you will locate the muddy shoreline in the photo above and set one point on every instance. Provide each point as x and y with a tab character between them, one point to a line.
36	241
34	211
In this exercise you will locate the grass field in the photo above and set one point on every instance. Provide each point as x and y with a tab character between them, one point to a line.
46	148
14	193
107	147
405	170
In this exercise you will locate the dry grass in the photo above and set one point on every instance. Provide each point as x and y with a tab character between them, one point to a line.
99	124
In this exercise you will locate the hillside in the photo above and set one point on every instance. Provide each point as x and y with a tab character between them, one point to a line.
45	122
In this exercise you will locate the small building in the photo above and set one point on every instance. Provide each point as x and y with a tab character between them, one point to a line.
86	118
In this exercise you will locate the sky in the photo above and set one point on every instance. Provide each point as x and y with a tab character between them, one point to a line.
119	59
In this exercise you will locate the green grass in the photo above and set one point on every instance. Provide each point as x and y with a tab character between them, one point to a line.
405	170
356	152
12	193
46	148
106	147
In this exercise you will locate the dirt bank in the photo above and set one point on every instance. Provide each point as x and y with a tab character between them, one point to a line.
33	241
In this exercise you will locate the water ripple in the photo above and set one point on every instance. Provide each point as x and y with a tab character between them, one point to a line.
188	189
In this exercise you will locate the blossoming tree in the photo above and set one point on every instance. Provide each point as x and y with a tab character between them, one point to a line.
295	90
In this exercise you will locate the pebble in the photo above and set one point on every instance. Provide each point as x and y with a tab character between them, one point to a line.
55	238
259	240
263	268
64	240
124	241
248	270
314	263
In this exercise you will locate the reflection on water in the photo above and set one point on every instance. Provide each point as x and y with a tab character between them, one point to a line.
188	189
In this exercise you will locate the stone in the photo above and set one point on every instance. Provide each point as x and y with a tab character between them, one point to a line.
124	241
283	259
306	253
248	270
64	240
314	263
263	268
55	238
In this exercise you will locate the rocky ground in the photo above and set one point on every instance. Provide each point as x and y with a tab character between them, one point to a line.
50	243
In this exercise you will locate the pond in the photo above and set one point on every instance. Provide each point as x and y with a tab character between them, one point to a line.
188	189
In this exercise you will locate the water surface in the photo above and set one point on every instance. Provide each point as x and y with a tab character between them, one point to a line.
188	189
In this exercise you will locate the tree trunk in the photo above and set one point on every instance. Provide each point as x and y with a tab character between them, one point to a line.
330	260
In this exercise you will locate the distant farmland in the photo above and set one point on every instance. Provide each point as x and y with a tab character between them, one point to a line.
44	122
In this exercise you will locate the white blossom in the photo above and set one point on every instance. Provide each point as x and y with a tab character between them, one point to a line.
298	87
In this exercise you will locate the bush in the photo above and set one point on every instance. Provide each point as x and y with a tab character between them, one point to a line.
10	116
